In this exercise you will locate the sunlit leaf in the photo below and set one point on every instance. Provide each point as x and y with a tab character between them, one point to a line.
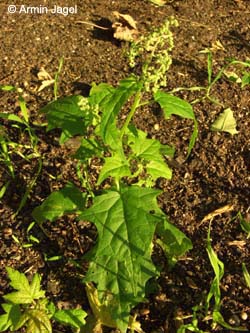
121	263
245	80
174	105
36	321
26	292
225	122
152	151
11	117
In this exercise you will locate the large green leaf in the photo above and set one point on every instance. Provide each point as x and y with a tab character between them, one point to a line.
26	292
173	241
112	100
121	262
68	114
67	200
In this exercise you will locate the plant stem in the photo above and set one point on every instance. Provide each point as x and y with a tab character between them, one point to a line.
131	112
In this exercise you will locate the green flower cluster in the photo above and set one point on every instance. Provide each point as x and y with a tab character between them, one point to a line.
153	52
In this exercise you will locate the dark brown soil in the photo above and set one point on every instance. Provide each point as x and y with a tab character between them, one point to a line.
215	175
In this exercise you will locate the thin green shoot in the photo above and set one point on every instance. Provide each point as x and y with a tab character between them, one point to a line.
57	78
246	274
214	291
5	154
4	189
218	268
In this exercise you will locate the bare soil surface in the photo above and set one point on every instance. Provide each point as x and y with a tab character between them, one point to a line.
214	176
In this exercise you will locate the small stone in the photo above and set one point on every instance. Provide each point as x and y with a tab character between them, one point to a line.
234	320
244	315
156	127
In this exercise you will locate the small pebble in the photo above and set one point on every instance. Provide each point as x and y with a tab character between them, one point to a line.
156	127
234	320
244	315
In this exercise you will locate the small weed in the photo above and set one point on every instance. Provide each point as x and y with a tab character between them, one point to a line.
9	147
28	307
203	311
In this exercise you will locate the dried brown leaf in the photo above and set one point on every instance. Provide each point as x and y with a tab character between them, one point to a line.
43	75
125	19
124	27
46	83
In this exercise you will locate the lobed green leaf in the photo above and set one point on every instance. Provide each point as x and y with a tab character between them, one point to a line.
36	321
26	293
121	261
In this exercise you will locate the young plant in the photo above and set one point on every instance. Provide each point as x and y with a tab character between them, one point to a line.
203	310
212	79
127	217
214	291
28	307
8	147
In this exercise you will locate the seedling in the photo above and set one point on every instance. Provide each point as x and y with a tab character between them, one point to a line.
204	311
8	147
28	307
126	216
212	78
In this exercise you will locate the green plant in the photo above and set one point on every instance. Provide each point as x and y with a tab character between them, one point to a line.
203	311
9	147
125	213
214	291
28	307
212	79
